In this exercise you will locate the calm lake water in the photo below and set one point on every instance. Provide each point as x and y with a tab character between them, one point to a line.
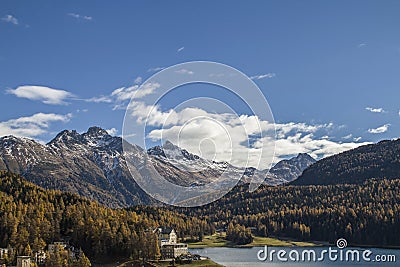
235	257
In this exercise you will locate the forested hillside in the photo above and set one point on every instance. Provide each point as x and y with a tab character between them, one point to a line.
364	214
381	160
31	217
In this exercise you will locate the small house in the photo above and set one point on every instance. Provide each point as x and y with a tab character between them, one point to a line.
23	261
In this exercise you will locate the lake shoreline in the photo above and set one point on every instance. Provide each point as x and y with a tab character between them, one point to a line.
219	240
248	257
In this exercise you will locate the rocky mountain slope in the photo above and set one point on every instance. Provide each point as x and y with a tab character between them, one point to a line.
290	169
92	164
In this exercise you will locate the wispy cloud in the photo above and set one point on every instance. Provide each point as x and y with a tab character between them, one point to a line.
31	126
180	49
361	45
155	69
138	80
120	96
10	19
349	136
44	94
184	71
100	99
263	76
79	16
127	93
379	130
375	110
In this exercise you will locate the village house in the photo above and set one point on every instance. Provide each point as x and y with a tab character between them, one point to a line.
52	248
168	243
40	257
23	261
61	246
4	252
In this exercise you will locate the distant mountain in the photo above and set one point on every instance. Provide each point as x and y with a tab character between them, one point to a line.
381	160
93	164
290	169
181	167
206	171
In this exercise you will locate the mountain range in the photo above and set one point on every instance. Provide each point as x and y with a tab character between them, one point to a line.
93	165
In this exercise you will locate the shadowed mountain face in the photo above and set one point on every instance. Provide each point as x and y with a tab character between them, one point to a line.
290	169
381	160
93	165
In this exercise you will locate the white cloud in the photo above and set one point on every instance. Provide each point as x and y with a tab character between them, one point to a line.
112	131
381	129
375	110
100	99
307	143
356	139
119	97
10	19
184	71
155	69
189	126
127	93
263	76
138	80
180	49
361	45
349	136
41	93
31	126
78	16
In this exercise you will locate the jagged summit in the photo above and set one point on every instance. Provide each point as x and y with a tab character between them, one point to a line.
66	136
304	156
290	169
170	150
96	132
93	134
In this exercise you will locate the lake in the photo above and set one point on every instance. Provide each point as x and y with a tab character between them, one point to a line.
235	257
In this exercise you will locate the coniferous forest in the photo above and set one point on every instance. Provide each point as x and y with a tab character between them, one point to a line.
364	214
32	217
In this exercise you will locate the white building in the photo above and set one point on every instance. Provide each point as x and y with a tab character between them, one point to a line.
168	242
4	252
40	257
55	246
23	261
166	236
171	251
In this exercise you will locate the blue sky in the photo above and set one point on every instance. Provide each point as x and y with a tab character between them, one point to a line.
333	63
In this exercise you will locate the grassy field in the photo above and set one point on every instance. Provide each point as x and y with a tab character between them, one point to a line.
218	240
199	263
